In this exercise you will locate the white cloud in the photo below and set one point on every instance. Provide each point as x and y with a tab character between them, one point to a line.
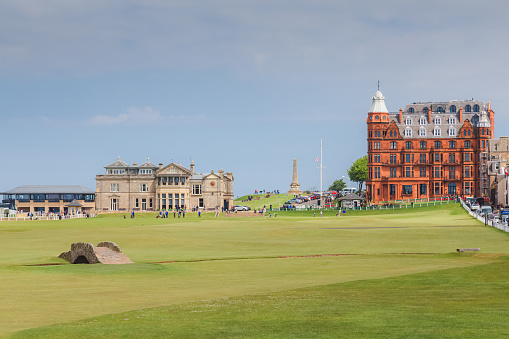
133	116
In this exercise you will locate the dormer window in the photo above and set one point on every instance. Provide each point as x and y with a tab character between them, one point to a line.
476	108
452	109
436	131
408	121
408	132
440	109
422	132
115	171
438	121
422	121
452	120
452	131
411	110
145	171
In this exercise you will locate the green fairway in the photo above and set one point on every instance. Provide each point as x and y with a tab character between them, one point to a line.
245	267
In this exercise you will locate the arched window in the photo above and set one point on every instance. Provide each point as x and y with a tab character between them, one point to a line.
391	133
468	109
436	131
422	132
452	109
408	132
452	131
408	121
440	109
411	110
452	188
438	121
422	121
476	108
425	109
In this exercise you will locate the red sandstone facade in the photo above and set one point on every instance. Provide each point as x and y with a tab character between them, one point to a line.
428	150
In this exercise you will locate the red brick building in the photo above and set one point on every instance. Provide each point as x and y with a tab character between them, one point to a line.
427	150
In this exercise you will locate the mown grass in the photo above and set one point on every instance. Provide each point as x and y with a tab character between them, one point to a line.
459	302
220	258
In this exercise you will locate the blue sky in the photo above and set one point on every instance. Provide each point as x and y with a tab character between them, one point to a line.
241	85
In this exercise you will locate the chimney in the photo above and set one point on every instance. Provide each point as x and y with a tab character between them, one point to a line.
160	165
135	164
429	115
400	116
461	115
192	167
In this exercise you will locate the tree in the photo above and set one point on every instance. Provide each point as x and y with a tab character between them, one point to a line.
337	185
358	172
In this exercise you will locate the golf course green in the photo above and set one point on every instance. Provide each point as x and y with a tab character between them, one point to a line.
368	274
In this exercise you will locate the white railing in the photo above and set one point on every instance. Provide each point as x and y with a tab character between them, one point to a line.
44	217
501	226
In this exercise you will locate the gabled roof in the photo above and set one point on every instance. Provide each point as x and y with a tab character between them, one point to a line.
117	164
178	166
50	189
148	164
74	203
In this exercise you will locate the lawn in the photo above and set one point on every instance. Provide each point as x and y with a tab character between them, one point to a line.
291	276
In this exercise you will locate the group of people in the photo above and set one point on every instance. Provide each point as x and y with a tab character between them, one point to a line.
180	212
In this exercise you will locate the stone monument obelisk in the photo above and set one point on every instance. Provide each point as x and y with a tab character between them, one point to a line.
295	186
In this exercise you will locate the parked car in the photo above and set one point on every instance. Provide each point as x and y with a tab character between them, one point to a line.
240	208
305	198
475	207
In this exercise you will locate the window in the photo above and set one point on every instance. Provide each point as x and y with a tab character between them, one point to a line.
408	121
438	144
422	172
468	132
422	144
476	108
422	121
393	158
422	132
452	121
114	188
452	172
370	145
425	109
114	204
150	203
437	171
436	131
377	157
377	172
145	171
393	144
438	121
482	129
408	132
452	144
143	187
467	156
391	134
468	108
467	143
452	158
424	189
407	158
115	171
468	187
197	189
440	109
136	203
200	202
452	188
422	158
392	189
452	109
407	189
483	144
467	171
409	172
452	131
393	172
377	146
437	188
411	110
437	157
408	145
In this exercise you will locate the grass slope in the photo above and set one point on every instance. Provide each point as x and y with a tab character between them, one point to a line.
221	258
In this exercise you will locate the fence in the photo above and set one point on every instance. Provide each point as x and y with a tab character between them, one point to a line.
484	219
44	217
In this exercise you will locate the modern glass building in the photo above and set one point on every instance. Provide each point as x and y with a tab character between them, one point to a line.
49	199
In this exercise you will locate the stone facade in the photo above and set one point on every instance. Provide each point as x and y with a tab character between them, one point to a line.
125	188
498	154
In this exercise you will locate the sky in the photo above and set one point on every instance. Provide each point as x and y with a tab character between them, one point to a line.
243	86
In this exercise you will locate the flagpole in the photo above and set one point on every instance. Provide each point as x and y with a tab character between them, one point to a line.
321	162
